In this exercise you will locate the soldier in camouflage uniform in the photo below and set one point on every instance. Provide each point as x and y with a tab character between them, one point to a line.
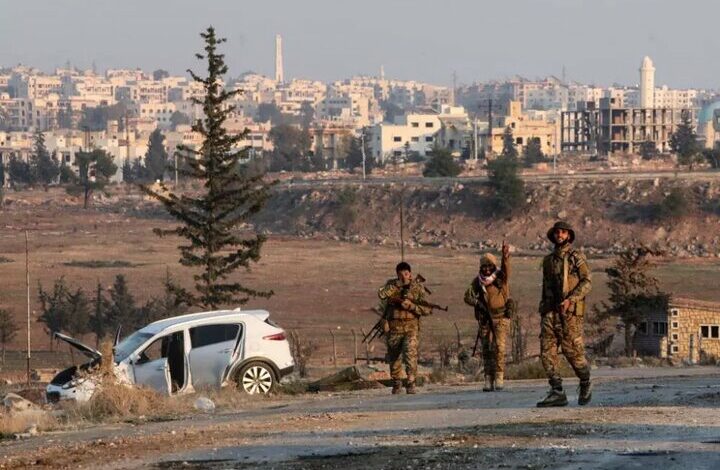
566	283
489	293
404	304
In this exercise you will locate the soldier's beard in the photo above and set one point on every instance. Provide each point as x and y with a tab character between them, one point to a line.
562	243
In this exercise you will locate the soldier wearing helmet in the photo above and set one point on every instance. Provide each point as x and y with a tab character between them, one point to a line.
566	283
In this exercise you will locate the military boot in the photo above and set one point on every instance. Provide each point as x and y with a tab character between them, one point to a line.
397	387
499	381
556	397
410	388
488	387
584	392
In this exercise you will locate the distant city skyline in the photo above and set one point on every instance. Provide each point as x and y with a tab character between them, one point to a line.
597	42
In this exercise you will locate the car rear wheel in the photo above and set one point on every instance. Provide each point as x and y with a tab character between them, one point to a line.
256	378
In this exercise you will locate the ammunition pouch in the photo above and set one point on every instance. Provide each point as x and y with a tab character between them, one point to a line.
511	308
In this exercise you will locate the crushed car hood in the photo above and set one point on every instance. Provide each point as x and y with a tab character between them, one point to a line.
86	350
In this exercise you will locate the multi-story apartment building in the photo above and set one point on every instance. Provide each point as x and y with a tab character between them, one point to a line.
31	86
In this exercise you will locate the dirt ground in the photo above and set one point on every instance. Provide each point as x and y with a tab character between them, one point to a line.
638	418
319	285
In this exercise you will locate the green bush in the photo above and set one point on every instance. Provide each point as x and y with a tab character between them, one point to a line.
441	164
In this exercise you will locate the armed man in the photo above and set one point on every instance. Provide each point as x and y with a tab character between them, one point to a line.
566	283
489	294
404	300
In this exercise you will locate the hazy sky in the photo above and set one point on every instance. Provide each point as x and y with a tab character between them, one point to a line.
598	41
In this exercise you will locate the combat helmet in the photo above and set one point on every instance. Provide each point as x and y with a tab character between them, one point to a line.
564	226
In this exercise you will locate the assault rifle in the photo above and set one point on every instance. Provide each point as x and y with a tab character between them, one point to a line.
378	330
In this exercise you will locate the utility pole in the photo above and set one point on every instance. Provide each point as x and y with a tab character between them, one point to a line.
402	227
27	287
127	138
488	144
362	149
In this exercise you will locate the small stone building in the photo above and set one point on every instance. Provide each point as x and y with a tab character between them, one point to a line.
688	331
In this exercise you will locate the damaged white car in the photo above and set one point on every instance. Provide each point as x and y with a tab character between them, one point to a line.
180	354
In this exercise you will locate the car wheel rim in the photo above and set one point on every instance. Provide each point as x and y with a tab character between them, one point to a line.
257	379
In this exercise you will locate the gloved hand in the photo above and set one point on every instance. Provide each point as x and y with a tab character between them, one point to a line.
407	305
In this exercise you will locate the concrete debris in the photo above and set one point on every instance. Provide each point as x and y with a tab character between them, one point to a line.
15	403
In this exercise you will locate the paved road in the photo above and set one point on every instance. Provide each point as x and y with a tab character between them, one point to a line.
638	418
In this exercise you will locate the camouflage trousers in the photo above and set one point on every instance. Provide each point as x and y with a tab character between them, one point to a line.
493	346
402	352
567	334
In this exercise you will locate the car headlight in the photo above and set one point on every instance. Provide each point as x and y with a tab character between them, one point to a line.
74	382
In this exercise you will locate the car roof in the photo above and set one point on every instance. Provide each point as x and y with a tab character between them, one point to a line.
202	317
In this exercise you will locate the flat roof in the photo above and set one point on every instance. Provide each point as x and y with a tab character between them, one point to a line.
682	302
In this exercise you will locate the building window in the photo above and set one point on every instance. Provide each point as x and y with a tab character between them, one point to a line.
415	124
674	312
659	328
643	328
675	325
674	336
518	141
397	153
415	139
429	124
428	139
710	331
674	348
397	139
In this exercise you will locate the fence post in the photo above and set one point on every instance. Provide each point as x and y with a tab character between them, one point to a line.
355	357
367	347
332	333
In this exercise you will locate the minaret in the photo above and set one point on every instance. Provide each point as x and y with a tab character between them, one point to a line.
279	74
647	83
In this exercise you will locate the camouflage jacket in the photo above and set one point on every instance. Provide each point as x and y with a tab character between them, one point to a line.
414	292
566	275
495	295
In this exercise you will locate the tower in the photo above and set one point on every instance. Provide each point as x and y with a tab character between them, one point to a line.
647	83
279	74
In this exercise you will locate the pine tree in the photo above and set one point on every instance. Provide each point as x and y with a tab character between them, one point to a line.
441	164
503	173
156	158
354	157
684	142
19	171
533	152
54	308
230	196
634	291
43	167
98	320
95	168
509	151
122	310
8	330
78	314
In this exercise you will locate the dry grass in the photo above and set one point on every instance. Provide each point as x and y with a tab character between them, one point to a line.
12	423
533	369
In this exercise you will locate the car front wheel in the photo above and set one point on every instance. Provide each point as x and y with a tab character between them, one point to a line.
256	378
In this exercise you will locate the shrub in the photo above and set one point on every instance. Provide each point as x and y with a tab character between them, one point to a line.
673	206
533	369
441	164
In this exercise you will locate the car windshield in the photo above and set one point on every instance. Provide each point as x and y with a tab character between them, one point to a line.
127	346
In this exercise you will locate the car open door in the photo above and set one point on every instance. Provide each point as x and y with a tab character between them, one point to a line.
212	349
150	367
